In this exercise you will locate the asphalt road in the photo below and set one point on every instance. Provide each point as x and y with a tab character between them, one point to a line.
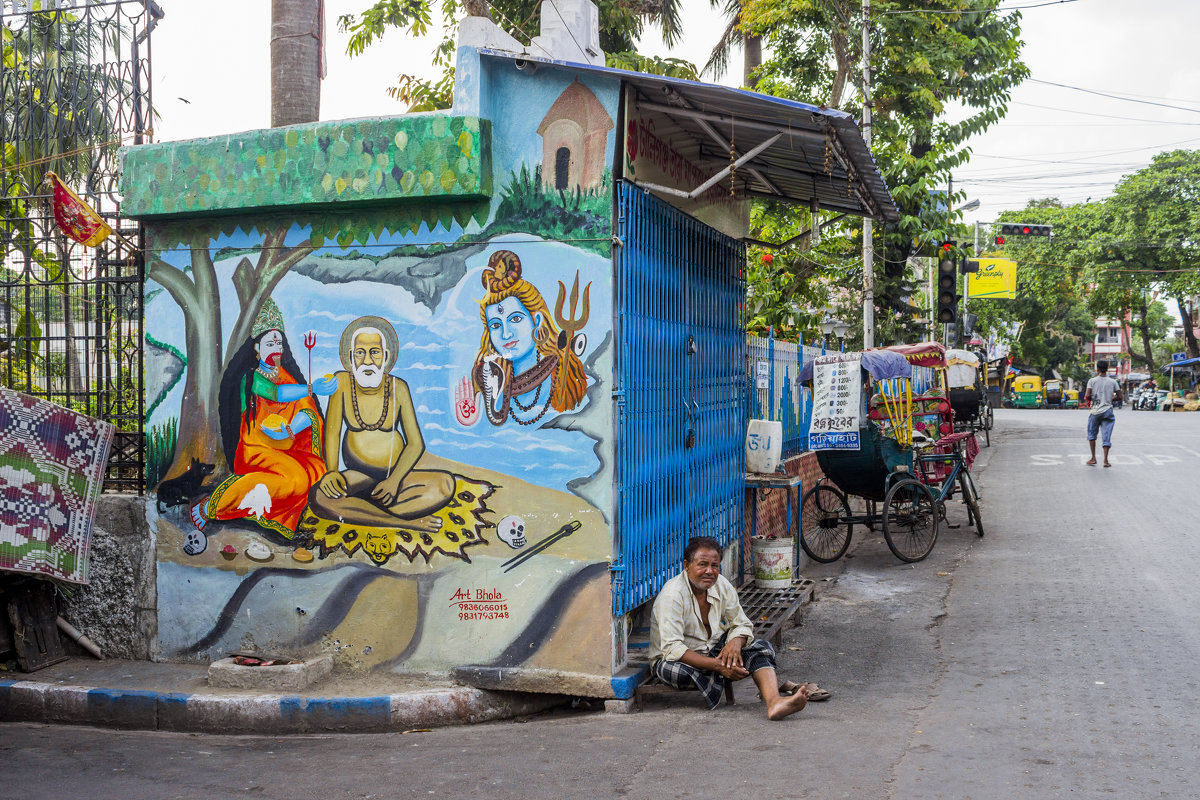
1056	657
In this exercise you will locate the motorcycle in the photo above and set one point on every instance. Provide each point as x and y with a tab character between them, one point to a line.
1148	399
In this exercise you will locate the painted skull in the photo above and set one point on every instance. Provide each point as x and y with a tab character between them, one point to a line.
195	543
512	532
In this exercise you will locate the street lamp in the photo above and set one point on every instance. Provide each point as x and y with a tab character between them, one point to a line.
840	329
831	325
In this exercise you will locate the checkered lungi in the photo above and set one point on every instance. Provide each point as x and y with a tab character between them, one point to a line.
755	656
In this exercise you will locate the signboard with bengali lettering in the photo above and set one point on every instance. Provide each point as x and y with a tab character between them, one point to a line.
837	402
658	152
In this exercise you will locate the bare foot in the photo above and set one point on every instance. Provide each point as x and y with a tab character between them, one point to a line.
786	706
1107	464
428	524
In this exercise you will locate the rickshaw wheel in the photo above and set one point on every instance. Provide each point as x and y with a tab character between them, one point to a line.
824	534
910	520
988	418
971	498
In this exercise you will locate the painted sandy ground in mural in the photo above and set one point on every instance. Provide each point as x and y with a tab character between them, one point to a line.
447	612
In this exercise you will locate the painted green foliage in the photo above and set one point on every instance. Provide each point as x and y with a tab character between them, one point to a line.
441	156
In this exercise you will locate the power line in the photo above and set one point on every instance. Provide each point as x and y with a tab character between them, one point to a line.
1102	152
1114	96
1106	116
997	10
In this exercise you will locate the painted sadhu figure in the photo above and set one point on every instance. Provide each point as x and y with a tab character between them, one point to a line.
270	432
527	364
373	425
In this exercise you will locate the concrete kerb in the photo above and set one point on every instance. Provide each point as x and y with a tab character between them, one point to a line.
34	701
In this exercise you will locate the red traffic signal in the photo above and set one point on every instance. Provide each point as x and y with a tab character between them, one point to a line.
1023	229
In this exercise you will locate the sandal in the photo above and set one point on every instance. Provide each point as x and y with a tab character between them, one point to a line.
815	693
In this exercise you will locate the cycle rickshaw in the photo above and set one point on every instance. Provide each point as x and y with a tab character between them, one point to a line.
891	447
966	377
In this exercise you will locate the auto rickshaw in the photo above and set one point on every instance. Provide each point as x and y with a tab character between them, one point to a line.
1027	392
1070	398
1053	392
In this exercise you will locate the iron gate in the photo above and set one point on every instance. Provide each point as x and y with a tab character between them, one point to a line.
680	390
74	87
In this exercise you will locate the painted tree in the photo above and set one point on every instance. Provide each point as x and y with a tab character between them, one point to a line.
198	295
939	77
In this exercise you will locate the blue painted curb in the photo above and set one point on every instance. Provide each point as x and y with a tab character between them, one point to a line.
626	682
33	701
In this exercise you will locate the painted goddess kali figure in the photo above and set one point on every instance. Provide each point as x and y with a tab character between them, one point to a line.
528	362
271	432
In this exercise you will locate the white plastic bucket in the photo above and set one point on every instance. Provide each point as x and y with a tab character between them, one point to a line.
764	446
772	559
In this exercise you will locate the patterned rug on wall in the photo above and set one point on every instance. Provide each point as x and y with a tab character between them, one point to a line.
52	463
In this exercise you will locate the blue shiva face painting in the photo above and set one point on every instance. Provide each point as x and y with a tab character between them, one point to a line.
510	328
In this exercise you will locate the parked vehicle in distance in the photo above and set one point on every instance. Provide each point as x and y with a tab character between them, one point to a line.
1027	392
1070	398
1053	392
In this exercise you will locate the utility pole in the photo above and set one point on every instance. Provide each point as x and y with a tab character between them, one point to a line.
868	243
958	320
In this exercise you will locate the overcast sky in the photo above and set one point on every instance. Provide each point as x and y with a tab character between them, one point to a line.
211	77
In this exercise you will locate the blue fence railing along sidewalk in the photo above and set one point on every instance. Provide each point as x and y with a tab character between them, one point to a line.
773	368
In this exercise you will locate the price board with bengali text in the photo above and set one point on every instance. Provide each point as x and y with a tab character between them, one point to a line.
837	402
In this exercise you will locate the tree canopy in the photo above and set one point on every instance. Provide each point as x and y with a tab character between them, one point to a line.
1116	258
941	72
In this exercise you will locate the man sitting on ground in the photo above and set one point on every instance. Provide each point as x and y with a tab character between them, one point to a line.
700	637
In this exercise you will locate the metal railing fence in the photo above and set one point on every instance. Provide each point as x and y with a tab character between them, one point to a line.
74	87
772	370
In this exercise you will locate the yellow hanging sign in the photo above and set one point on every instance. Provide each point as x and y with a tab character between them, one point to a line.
996	280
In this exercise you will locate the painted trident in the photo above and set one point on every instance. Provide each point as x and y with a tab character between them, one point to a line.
573	324
310	341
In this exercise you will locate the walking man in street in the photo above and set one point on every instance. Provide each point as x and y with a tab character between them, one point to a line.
1101	391
700	637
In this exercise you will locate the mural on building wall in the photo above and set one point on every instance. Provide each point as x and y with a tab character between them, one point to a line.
372	429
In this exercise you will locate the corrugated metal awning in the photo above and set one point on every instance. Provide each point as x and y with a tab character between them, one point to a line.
787	151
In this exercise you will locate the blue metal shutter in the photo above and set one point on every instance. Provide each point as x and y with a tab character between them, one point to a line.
681	351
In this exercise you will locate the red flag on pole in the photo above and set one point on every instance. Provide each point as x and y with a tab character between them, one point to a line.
76	218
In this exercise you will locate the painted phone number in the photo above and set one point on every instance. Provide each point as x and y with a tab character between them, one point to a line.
484	612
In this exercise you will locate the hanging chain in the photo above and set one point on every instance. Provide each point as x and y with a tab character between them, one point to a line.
732	155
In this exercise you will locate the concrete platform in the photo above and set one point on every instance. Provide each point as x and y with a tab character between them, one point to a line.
294	677
177	697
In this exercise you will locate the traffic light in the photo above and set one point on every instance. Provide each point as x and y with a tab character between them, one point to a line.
968	265
947	285
1021	229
